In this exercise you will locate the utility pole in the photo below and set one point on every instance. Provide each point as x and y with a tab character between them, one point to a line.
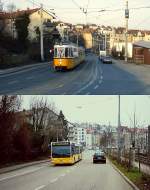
78	41
41	33
119	131
149	140
105	42
1	6
126	30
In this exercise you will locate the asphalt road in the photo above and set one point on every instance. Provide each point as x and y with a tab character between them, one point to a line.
82	176
91	77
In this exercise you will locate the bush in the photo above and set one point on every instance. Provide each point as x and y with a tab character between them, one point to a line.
22	142
13	60
34	51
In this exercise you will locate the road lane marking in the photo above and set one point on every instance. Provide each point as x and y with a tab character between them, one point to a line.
13	82
60	86
53	180
40	187
21	174
62	175
88	93
29	78
96	87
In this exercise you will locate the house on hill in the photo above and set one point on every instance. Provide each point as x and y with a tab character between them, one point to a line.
7	21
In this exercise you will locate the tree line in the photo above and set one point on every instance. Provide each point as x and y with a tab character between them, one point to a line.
26	134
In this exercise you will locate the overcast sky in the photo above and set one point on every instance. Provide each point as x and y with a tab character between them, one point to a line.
69	12
101	109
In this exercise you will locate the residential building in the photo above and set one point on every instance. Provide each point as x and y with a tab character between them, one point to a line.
80	135
8	20
141	52
71	132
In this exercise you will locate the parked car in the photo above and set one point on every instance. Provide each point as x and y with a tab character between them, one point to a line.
99	157
107	59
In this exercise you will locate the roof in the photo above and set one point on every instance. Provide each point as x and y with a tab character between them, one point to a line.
17	13
8	15
142	43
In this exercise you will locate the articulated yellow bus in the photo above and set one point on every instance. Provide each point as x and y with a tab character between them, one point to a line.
65	153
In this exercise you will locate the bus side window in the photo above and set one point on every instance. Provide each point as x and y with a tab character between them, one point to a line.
72	150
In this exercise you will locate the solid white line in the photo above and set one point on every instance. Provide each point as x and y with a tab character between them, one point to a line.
17	175
53	180
40	187
13	82
96	87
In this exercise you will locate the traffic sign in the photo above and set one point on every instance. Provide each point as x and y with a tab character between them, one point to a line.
127	13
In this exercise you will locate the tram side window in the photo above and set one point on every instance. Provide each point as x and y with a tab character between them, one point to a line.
55	52
66	52
70	52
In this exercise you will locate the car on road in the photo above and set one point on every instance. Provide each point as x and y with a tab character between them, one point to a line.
107	59
99	157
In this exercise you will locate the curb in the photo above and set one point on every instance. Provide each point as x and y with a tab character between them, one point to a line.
20	166
125	178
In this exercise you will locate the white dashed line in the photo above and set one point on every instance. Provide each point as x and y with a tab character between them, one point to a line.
29	78
88	93
53	180
96	87
40	187
62	175
13	82
60	86
100	82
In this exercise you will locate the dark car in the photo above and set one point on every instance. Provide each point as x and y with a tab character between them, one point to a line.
99	157
107	59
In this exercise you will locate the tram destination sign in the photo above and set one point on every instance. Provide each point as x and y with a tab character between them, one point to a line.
60	143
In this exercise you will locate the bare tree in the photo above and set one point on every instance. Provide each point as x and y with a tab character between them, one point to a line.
9	105
11	7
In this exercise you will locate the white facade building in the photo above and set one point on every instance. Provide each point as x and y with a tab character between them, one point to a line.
80	135
89	140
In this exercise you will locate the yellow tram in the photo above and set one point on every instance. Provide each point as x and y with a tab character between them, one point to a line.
65	153
67	56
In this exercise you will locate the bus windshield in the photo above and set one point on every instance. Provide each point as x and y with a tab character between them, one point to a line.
60	151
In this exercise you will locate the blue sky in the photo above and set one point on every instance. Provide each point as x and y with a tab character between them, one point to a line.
69	12
101	109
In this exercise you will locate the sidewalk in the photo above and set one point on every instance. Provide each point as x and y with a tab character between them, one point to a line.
19	166
118	61
144	168
20	68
